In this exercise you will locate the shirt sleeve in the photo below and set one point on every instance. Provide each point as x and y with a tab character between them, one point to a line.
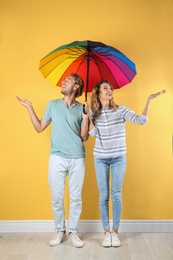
47	113
130	116
94	130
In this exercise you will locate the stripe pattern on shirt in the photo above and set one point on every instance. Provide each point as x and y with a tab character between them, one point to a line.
110	131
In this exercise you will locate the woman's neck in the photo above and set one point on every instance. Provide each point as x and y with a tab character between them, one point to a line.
105	104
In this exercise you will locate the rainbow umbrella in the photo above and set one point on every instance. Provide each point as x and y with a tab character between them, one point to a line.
93	61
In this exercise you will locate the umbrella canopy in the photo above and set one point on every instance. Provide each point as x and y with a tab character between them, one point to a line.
93	61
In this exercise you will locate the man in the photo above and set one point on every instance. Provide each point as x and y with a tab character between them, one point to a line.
67	154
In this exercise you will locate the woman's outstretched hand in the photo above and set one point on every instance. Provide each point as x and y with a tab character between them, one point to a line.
157	94
152	96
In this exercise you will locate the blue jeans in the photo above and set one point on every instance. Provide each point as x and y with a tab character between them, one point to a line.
102	167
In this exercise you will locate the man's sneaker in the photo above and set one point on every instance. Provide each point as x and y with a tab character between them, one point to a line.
115	239
75	240
57	239
107	240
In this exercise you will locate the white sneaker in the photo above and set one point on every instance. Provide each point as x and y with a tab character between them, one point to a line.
115	240
57	239
75	240
107	240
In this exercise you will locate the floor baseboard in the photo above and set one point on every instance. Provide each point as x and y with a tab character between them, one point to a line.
153	226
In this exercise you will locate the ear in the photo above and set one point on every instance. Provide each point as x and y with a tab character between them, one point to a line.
76	86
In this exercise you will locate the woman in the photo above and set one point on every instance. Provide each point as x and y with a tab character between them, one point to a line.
107	124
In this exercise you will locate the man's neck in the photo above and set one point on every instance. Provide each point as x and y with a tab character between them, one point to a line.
69	100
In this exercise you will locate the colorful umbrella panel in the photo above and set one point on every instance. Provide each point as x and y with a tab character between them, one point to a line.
93	61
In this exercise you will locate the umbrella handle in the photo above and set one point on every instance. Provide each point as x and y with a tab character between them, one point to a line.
87	72
84	109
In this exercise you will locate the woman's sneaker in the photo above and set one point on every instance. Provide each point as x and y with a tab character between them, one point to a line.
75	240
57	239
115	240
107	240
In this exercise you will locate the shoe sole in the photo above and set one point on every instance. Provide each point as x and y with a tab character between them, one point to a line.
116	245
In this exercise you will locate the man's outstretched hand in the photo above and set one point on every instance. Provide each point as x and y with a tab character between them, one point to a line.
24	102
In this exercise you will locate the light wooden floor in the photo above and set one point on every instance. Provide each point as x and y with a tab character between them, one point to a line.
35	246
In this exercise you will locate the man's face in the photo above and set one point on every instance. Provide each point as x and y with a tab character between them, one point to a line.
68	85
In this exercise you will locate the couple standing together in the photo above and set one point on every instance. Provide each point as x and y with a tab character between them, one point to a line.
105	120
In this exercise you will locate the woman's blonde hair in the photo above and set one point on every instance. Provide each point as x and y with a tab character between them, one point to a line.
95	103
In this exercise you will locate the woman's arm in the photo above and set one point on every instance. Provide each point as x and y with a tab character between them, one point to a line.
147	105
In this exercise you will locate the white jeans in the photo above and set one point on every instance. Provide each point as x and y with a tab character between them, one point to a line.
58	168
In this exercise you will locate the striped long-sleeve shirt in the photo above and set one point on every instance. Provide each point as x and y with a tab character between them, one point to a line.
110	131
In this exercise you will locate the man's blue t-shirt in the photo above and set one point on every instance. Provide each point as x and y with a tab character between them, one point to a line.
66	127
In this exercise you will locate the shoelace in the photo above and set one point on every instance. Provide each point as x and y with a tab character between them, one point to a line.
76	237
59	235
114	234
107	234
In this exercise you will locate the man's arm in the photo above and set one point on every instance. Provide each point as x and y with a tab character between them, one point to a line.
84	129
39	125
85	123
147	105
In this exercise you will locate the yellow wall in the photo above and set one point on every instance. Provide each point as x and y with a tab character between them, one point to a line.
142	29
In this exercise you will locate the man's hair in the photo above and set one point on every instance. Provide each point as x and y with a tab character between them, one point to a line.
78	81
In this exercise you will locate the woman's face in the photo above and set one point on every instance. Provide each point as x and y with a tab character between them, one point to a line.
106	92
